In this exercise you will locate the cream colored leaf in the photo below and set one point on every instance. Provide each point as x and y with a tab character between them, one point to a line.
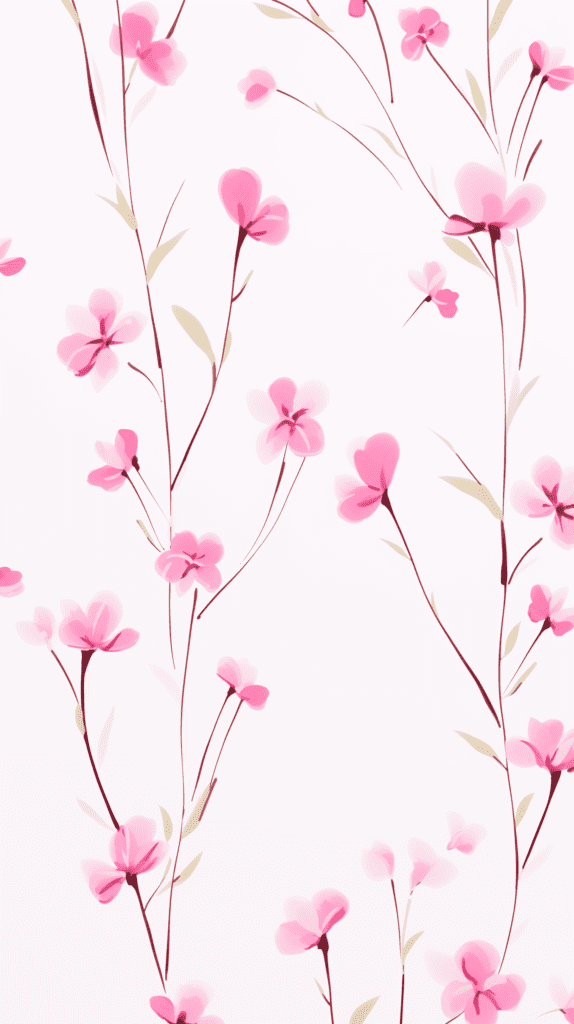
194	329
160	254
477	96
433	605
227	346
322	112
516	401
396	548
479	745
166	680
125	210
80	719
167	824
464	252
320	989
409	945
104	736
145	531
444	440
523	677
363	1011
511	639
70	9
188	870
387	140
246	282
143	103
511	272
273	12
522	808
475	490
319	21
497	18
133	70
93	814
193	820
505	67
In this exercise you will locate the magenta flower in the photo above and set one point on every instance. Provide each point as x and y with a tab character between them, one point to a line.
88	349
357	8
379	862
310	920
240	677
285	408
431	283
557	498
40	630
92	630
563	1000
133	851
119	457
475	988
463	837
375	464
421	27
546	607
240	193
545	747
9	267
482	196
191	559
428	868
10	582
191	1002
160	61
257	87
547	61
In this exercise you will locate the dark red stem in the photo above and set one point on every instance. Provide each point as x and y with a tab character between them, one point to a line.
66	675
529	120
86	656
323	945
227	696
554	780
367	4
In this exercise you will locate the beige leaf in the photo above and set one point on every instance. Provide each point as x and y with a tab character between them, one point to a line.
523	677
464	252
319	21
188	870
133	70
396	548
505	67
93	814
167	824
193	820
70	9
497	18
511	639
363	1011
479	745
409	945
320	989
104	736
144	530
477	96
143	103
522	808
387	140
194	329
160	253
517	400
124	209
80	719
274	12
433	605
227	346
444	440
322	112
476	490
246	282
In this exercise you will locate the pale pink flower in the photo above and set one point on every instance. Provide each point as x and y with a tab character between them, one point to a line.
473	986
309	920
557	498
240	676
428	868
160	60
421	27
379	862
188	1008
547	61
563	1000
240	193
547	607
40	630
88	349
288	410
92	630
10	582
133	851
189	559
375	464
257	87
120	457
486	207
357	8
546	747
431	283
9	267
463	837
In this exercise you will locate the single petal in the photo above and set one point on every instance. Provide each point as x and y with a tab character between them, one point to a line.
103	614
76	352
240	191
445	300
458	227
108	477
164	1008
520	753
473	182
312	396
547	473
528	500
255	696
477	961
282	393
441	873
566	488
379	862
563	623
291	937
104	882
562	531
377	461
409	20
229	670
81	321
545	736
412	47
330	906
359	503
308	438
419	280
171	566
185	542
435	275
303	912
539	608
271	441
560	78
5	244
440	34
248	671
523	205
261	407
467	839
271	222
209	576
127	446
163	62
357	8
456	997
104	306
106	366
192	1000
128	328
506	989
10	267
122	641
31	634
209	548
443	968
538	52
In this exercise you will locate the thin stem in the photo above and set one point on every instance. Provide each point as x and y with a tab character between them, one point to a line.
152	496
172	29
136	888
462	462
323	945
66	675
168	213
529	120
534	152
554	780
407	911
402	995
520	560
224	742
146	377
493	240
86	656
91	89
227	696
523	298
129	479
426	299
530	81
488	65
545	626
169	589
157	888
397	916
460	93
309	4
512	811
367	4
277	486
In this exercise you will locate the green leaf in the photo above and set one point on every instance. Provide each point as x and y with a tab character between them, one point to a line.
396	548
80	719
322	112
477	96
193	820
511	640
193	328
479	745
497	18
363	1011
409	945
464	252
522	808
522	679
274	12
319	21
387	140
93	814
476	490
517	399
160	253
226	347
70	9
167	824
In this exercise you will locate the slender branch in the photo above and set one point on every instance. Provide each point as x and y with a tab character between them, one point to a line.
168	213
172	29
530	81
130	481
66	675
460	93
529	120
523	298
91	89
554	780
277	486
397	916
545	626
152	496
520	560
207	745
367	4
426	299
169	624
133	881
534	152
494	233
86	656
147	378
211	783
157	888
488	65
461	460
323	945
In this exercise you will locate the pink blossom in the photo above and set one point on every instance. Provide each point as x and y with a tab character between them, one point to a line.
473	986
119	457
428	868
286	408
190	1004
563	1000
357	8
257	87
545	747
9	267
557	498
189	559
309	920
133	851
92	630
463	837
421	27
547	61
240	193
88	349
431	283
40	630
159	60
547	607
10	582
482	196
240	677
375	464
379	862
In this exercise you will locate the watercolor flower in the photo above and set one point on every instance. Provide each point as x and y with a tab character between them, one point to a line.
486	207
563	1000
431	281
547	746
189	559
547	61
160	60
310	920
10	582
379	862
240	676
553	495
428	868
9	267
188	1008
88	349
463	837
288	411
421	27
92	630
547	607
257	87
240	193
120	457
133	850
473	985
40	630
375	463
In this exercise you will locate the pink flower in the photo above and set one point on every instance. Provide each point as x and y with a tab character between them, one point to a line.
548	63
40	630
547	607
160	61
310	920
463	837
375	464
428	868
473	986
191	559
379	862
10	582
91	630
545	747
240	677
563	1000
257	87
431	283
557	497
119	457
357	8
482	196
89	348
9	267
285	408
133	851
191	1002
240	193
421	27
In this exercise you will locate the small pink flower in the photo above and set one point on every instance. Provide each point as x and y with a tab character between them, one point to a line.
133	851
190	1004
160	60
545	747
10	582
119	457
89	349
482	196
428	868
257	87
286	408
379	862
421	27
547	62
91	630
547	607
191	559
40	630
310	920
240	193
557	498
375	464
240	677
431	283
563	1000
474	986
463	837
357	8
9	267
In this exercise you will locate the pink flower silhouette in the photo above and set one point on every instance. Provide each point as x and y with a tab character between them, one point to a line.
463	837
431	283
357	8
375	464
379	862
557	498
547	607
9	267
563	1000
119	457
428	868
257	88
160	61
473	986
191	559
191	1002
40	630
310	920
547	62
421	27
10	582
133	851
285	408
91	630
240	677
545	747
89	349
482	196
240	193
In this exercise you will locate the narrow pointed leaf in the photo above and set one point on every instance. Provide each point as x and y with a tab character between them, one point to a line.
511	639
433	605
143	103
409	945
124	209
319	21
194	329
321	990
160	253
476	490
363	1011
497	18
322	112
522	679
167	824
477	97
522	808
274	12
80	719
479	745
246	282
227	346
505	67
167	680
516	402
188	870
70	9
387	140
93	814
396	548
133	70
145	532
444	440
193	820
511	272
104	736
465	252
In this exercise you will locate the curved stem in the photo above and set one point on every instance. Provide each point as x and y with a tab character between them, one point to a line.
91	89
168	213
323	945
528	122
207	745
367	4
554	780
136	888
172	29
530	81
397	915
427	299
169	593
137	369
460	93
520	560
223	744
488	65
66	675
139	497
536	639
533	154
277	486
152	496
523	298
86	656
493	239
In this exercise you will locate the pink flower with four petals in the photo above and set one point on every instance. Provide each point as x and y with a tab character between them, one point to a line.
40	630
160	60
310	920
240	193
240	676
473	985
421	27
375	463
546	747
547	607
286	408
547	61
431	283
379	862
13	266
557	498
88	349
188	1009
463	837
119	457
486	207
428	868
191	559
257	87
133	851
90	631
10	582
